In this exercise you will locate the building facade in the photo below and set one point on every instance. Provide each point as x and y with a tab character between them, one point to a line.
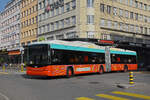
28	21
10	26
123	20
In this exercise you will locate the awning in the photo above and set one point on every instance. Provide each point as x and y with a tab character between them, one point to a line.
14	53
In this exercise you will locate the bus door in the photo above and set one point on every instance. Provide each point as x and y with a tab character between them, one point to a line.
107	59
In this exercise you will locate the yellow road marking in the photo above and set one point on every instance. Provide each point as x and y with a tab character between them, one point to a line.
84	98
111	97
3	73
132	95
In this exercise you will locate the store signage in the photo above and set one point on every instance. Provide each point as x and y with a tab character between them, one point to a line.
56	4
106	41
41	38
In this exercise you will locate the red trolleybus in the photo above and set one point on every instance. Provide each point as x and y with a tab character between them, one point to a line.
62	58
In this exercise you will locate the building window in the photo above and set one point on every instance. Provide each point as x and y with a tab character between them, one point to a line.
40	30
40	5
67	6
67	21
131	28
62	23
115	25
57	11
141	5
90	19
115	11
90	34
131	15
73	20
33	20
44	16
40	17
131	2
140	17
126	2
90	3
127	14
136	16
48	28
145	18
73	4
120	1
52	26
121	26
137	29
126	27
145	6
120	12
109	24
52	12
62	9
145	30
149	8
102	7
108	9
141	28
136	4
44	3
102	23
57	25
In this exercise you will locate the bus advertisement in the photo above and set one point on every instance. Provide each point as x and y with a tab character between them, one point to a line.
62	58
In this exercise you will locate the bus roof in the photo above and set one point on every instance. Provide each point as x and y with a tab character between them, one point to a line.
83	46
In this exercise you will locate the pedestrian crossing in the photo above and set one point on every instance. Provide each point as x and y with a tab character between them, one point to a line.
112	96
3	73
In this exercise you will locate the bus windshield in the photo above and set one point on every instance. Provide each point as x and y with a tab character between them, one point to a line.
37	55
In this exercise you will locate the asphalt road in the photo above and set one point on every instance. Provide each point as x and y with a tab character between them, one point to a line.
17	86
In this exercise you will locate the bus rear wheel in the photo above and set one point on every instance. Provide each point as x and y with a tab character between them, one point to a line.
69	73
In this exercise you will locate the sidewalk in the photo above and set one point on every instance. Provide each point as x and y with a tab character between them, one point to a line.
12	71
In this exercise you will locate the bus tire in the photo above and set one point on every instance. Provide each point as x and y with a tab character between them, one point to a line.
101	70
125	68
69	72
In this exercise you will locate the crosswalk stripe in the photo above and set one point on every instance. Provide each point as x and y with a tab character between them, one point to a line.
111	97
132	95
84	98
3	73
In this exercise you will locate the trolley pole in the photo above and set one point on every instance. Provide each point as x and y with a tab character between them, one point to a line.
131	82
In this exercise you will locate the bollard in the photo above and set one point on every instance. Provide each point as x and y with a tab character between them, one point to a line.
22	69
4	68
131	78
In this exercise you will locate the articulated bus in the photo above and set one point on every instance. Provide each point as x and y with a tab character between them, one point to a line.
62	58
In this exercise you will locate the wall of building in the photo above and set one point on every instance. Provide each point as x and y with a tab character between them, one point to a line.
125	18
57	20
10	26
28	21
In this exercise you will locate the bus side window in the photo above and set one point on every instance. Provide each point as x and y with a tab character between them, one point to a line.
86	59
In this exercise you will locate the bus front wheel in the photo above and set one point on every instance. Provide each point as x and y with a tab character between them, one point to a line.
69	73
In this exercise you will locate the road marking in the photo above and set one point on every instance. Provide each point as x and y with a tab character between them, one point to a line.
3	73
4	96
84	98
111	97
132	95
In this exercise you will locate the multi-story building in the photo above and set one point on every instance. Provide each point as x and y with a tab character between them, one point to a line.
28	21
10	27
123	20
0	32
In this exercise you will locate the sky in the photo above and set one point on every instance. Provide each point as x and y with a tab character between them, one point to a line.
3	3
